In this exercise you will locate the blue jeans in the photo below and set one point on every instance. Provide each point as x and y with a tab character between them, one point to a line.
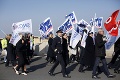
97	61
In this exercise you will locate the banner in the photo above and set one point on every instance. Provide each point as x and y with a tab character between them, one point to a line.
84	23
46	27
83	41
97	22
22	27
118	23
72	16
66	26
111	40
80	30
15	38
75	38
111	25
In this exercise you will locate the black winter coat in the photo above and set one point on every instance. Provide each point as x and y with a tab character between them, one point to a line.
11	52
100	46
89	55
57	45
65	51
117	45
50	52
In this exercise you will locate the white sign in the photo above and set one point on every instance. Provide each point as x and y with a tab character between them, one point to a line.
75	38
83	42
22	27
15	38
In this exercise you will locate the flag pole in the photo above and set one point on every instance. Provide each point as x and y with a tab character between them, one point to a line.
3	32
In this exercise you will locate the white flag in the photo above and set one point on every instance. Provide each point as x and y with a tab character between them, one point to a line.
83	41
84	22
15	38
75	38
22	27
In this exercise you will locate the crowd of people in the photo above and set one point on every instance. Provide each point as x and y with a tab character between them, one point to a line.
60	52
20	55
89	57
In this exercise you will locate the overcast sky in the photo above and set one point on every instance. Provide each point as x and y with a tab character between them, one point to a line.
12	11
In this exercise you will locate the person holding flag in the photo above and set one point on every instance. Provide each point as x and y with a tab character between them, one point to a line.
100	53
11	56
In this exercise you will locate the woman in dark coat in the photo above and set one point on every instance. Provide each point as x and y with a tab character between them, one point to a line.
65	49
11	56
89	55
21	49
50	54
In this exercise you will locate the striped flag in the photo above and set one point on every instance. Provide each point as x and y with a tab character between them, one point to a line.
66	26
46	27
72	16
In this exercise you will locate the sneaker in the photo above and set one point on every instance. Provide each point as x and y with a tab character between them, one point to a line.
95	77
17	72
111	76
14	69
24	73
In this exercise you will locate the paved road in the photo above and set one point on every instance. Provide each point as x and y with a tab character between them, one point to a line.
39	68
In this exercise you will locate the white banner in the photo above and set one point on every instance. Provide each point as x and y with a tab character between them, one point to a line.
22	27
84	22
75	38
83	41
15	38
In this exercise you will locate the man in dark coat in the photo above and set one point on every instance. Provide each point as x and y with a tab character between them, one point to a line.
58	49
100	52
11	56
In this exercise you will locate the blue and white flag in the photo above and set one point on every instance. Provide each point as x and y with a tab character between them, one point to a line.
46	27
83	22
79	30
75	38
83	41
66	26
15	38
72	16
111	40
97	22
23	26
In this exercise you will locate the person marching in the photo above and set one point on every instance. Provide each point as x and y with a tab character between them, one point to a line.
50	54
65	49
21	49
100	53
11	56
117	53
89	55
4	43
58	49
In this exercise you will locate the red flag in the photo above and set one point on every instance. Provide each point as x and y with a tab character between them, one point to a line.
111	25
118	22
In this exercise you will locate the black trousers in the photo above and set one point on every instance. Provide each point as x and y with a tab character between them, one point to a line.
62	63
115	57
118	65
97	61
21	62
8	62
